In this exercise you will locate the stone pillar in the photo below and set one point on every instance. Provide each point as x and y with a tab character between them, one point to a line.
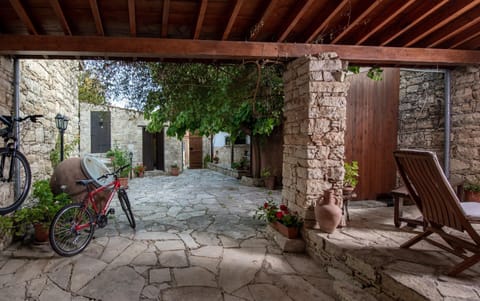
315	114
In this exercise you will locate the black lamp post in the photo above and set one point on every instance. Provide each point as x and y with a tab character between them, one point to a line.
130	156
62	122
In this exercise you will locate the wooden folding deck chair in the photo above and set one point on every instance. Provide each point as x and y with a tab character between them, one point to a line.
440	207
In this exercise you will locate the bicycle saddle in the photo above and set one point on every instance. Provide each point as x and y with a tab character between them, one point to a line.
84	182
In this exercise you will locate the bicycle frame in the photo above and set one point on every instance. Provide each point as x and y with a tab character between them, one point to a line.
90	200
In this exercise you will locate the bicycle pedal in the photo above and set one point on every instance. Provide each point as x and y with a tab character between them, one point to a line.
111	211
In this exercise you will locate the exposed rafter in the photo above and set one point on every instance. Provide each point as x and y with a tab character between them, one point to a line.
257	28
88	46
301	10
233	17
412	24
356	21
456	31
22	14
132	18
325	22
445	21
465	40
166	12
61	17
96	17
200	18
387	20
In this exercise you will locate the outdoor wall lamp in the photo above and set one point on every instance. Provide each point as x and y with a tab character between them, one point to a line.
61	122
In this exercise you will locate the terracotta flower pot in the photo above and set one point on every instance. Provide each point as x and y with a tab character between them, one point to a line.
41	232
123	182
175	171
289	232
472	196
269	182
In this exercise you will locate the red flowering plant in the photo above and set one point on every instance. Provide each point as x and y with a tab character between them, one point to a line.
271	213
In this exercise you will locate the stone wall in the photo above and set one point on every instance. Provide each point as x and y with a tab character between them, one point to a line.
126	133
174	152
6	85
465	150
421	122
224	154
315	114
47	87
421	110
126	129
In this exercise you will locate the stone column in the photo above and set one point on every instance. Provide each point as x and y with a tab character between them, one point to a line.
315	113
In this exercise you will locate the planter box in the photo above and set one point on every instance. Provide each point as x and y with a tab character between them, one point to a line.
472	196
289	232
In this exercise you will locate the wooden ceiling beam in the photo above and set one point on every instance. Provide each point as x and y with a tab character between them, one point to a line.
231	20
132	18
327	21
61	16
166	12
456	32
23	15
465	40
384	23
415	22
301	9
357	21
445	21
95	46
201	16
257	28
96	17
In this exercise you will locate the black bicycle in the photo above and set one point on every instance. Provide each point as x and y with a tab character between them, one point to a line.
15	174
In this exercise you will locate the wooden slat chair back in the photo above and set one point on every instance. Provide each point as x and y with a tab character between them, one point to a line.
440	206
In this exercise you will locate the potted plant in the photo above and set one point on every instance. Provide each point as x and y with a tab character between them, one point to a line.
472	192
139	170
268	178
280	218
174	169
350	179
39	215
120	158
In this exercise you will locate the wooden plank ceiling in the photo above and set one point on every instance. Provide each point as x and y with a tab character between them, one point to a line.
407	32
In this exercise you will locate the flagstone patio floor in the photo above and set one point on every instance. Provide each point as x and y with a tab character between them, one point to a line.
196	240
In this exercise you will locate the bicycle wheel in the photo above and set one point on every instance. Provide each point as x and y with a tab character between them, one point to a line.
71	230
125	203
15	179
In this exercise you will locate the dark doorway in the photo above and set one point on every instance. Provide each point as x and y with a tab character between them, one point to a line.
371	135
195	152
100	131
153	150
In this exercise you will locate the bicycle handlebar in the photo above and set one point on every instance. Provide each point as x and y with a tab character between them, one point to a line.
115	172
33	118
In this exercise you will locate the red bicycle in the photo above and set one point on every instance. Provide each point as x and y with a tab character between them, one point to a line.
73	226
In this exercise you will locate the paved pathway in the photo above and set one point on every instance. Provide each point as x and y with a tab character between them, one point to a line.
195	240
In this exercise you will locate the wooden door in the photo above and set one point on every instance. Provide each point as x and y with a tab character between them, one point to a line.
100	133
195	152
153	150
371	135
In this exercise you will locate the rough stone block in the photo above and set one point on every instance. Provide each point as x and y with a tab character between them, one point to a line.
285	244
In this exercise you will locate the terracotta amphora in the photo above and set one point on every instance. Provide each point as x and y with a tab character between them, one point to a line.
327	213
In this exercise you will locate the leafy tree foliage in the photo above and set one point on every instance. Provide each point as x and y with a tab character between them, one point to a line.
207	99
201	98
90	89
125	81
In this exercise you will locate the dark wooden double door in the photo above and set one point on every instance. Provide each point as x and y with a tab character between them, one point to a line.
153	150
